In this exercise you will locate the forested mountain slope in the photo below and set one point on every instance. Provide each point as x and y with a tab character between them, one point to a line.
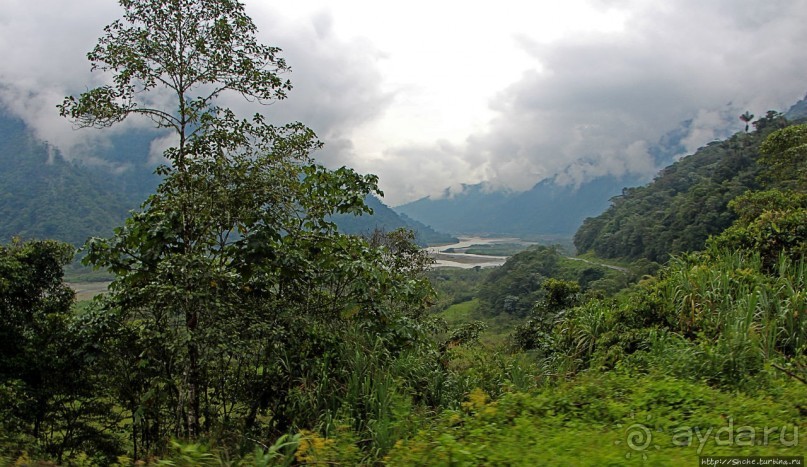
44	196
685	203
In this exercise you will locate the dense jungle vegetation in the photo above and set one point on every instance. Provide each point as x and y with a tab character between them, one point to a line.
686	203
243	328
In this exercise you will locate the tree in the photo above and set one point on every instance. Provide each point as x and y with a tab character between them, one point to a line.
784	157
180	47
746	118
774	222
49	398
232	283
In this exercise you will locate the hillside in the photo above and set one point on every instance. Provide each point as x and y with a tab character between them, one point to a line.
44	196
548	208
385	218
683	206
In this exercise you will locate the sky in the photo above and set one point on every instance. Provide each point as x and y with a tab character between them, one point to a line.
431	95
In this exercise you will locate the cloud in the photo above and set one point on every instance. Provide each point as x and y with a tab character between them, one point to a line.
43	51
44	45
337	85
596	102
408	172
583	100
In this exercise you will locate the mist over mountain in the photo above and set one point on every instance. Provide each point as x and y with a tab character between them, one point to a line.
44	195
552	207
687	202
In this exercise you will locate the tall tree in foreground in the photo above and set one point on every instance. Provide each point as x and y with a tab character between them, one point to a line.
232	276
189	51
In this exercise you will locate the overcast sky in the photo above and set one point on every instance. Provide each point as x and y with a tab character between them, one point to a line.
431	94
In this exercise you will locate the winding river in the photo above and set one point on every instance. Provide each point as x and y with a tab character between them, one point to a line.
466	260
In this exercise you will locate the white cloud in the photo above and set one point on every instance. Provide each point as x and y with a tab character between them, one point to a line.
597	100
434	94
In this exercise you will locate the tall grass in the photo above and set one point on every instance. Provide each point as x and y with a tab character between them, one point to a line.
736	316
719	316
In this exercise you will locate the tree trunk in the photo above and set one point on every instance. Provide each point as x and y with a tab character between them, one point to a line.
192	396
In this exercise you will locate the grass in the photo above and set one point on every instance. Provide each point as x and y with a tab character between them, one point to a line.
76	272
498	327
612	419
460	313
88	290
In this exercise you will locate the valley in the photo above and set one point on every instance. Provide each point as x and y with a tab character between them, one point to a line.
456	255
263	307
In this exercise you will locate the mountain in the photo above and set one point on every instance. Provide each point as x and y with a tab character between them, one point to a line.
385	218
42	195
548	208
684	205
797	111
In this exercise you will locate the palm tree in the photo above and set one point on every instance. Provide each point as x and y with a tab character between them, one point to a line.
746	117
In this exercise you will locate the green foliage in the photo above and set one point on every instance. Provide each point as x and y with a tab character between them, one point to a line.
770	222
774	222
464	334
683	206
784	156
535	333
454	285
516	287
46	197
49	379
717	317
592	421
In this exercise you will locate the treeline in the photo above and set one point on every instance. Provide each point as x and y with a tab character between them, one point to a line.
685	204
517	286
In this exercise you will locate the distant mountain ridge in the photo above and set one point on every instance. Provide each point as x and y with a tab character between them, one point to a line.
42	195
385	218
547	208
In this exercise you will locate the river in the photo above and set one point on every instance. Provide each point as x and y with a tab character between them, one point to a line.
465	260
